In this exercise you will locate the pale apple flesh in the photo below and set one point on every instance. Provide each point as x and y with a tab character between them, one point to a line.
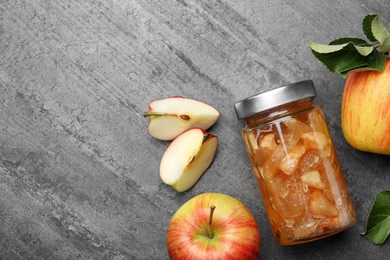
235	234
187	158
366	110
172	116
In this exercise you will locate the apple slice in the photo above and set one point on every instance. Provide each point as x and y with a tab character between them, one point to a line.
187	158
172	116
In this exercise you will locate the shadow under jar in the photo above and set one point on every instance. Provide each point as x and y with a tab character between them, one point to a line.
295	163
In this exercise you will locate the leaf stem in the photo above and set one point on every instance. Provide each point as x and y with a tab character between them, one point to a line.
376	44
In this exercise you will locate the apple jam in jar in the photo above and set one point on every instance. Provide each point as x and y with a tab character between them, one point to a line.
295	163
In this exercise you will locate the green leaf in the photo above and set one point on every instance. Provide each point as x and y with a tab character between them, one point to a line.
341	61
363	47
376	31
343	44
348	54
356	41
367	21
376	61
323	48
381	33
378	223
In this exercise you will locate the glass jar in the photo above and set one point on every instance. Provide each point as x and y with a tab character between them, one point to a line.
295	163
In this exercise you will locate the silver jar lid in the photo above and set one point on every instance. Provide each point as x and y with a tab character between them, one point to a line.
274	98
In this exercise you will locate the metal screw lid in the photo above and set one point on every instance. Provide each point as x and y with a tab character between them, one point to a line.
274	98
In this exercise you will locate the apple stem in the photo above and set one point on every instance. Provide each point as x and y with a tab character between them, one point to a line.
209	231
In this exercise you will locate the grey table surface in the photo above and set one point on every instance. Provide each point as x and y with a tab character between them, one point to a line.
78	172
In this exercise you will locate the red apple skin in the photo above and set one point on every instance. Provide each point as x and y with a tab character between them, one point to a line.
365	112
235	232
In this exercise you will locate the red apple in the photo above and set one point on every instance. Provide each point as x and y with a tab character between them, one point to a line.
213	226
365	113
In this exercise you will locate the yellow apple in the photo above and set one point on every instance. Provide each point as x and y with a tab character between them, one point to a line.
365	113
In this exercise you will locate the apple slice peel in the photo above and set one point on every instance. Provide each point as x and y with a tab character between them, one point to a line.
187	158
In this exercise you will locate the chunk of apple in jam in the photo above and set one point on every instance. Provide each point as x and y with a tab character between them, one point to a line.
320	207
295	128
270	169
293	201
311	160
251	140
268	142
313	179
266	147
318	140
290	161
278	153
306	229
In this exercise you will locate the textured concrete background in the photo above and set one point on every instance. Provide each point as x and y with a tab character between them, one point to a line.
79	173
